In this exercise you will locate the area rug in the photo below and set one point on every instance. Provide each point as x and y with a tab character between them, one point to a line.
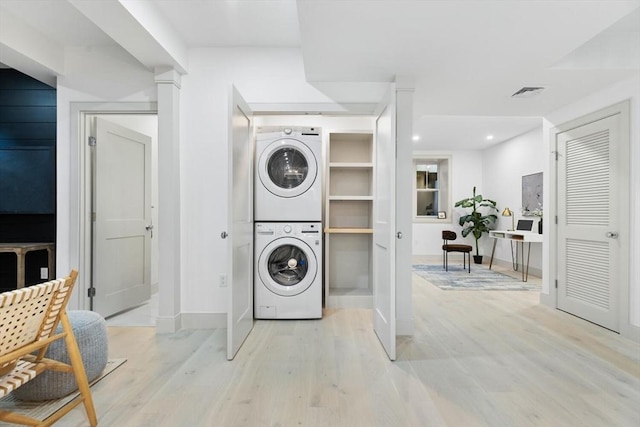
480	279
43	410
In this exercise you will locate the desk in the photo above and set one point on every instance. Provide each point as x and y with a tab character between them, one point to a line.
521	237
21	249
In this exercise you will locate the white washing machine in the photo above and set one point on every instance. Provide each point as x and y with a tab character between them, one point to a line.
288	270
288	183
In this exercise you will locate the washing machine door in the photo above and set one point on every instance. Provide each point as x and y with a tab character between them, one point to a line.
287	266
287	168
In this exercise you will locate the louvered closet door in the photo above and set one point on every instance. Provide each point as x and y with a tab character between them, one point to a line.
587	204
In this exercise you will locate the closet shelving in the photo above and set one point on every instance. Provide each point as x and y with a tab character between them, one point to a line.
348	219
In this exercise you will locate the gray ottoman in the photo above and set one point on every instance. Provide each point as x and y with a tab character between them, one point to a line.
91	333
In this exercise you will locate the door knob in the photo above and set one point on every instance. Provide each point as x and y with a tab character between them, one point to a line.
612	234
399	234
223	235
149	228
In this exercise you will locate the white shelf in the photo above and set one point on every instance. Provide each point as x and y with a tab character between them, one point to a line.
339	165
350	298
350	198
345	230
354	292
348	216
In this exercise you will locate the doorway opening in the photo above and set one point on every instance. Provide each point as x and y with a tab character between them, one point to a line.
139	119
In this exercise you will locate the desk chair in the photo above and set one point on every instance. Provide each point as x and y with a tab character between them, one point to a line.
447	247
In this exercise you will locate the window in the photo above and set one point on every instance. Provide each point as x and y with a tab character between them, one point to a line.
431	188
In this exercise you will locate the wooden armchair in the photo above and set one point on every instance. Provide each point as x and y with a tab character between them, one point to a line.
28	321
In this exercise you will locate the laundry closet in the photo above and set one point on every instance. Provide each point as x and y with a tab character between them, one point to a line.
361	248
346	174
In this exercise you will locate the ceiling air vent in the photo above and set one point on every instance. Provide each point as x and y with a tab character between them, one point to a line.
527	92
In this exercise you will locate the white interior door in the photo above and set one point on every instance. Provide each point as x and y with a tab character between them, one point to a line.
121	217
588	224
240	224
384	226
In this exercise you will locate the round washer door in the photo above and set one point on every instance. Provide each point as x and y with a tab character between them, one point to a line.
287	168
287	266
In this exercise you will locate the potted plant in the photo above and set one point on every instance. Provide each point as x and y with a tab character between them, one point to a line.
477	221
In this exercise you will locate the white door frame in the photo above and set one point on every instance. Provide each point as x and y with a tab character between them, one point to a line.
624	210
404	202
80	184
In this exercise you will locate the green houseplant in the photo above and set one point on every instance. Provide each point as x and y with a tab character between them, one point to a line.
478	220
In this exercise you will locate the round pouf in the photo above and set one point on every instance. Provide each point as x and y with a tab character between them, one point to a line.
91	334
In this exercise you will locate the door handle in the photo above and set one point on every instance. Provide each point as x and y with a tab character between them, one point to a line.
149	228
612	234
399	235
223	235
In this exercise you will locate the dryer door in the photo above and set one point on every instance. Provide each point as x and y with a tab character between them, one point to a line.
287	266
287	168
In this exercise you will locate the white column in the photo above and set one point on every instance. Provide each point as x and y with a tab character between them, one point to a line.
168	86
404	223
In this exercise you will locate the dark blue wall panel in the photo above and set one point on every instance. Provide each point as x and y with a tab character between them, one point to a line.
13	114
27	170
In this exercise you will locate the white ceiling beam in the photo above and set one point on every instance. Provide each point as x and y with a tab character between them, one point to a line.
25	49
140	29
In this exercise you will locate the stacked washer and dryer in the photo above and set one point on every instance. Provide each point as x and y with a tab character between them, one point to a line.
288	224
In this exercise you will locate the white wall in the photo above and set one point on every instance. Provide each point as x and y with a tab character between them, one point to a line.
262	76
504	165
626	90
466	172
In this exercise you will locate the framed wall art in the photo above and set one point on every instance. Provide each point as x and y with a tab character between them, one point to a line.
532	194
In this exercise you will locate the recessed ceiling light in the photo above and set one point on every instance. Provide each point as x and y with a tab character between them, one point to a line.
416	137
489	137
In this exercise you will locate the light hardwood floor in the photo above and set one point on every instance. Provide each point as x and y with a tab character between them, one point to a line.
478	358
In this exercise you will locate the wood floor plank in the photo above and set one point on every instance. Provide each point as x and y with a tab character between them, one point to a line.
477	358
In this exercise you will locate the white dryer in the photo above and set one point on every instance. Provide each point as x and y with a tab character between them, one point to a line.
288	183
288	270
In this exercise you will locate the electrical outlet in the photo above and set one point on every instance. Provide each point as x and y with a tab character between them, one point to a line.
223	280
44	273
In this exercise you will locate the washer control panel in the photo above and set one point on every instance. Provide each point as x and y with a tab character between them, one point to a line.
301	230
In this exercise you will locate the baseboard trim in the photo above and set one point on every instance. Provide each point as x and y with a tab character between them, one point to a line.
548	300
204	320
631	331
168	324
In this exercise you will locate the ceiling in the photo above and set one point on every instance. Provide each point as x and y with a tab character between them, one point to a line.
466	57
